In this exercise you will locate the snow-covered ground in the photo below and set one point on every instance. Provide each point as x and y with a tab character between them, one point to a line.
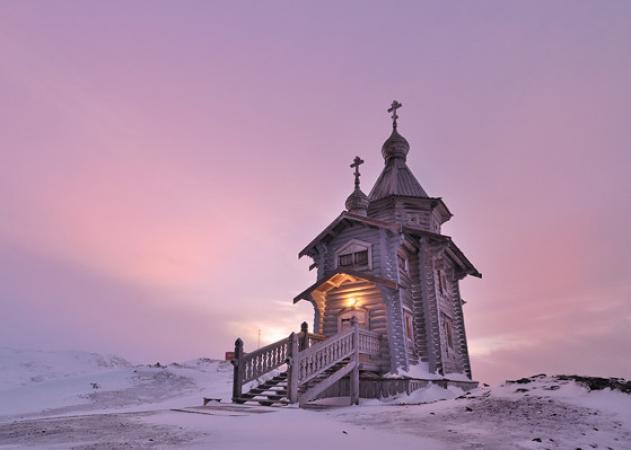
59	400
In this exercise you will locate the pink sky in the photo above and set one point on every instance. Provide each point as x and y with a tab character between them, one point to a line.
162	163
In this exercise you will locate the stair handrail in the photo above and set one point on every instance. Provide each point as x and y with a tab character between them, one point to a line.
310	363
323	355
314	338
249	366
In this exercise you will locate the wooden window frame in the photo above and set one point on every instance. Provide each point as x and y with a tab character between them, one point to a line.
403	263
353	247
348	256
408	331
448	328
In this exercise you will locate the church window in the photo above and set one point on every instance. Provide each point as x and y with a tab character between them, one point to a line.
409	325
442	282
361	258
346	260
448	331
345	319
355	254
403	263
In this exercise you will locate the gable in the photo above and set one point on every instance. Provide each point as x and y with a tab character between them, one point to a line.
342	222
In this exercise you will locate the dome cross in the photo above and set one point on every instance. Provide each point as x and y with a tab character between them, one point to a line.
393	109
356	163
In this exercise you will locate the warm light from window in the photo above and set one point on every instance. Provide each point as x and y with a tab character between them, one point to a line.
352	302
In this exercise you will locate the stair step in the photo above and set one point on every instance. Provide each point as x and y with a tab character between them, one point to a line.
269	385
276	397
258	391
263	402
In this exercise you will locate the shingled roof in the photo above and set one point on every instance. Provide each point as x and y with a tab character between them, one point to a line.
396	177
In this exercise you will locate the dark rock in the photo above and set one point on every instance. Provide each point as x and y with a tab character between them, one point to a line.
537	440
468	409
521	390
598	383
520	381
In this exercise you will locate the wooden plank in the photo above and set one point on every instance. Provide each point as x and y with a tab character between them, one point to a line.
330	381
355	372
294	366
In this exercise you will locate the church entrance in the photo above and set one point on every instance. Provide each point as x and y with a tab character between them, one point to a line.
345	318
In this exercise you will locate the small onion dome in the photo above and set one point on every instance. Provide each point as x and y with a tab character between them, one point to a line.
396	146
357	202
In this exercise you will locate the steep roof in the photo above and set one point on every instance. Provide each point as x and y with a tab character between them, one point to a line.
396	177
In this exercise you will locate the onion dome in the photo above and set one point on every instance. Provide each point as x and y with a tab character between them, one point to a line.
357	202
396	177
396	146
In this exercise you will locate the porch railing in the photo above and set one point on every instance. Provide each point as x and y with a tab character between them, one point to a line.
308	356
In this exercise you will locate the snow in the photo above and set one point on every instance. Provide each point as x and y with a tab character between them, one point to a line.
57	382
58	400
421	371
428	394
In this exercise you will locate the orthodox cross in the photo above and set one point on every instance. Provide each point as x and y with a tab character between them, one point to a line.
356	163
393	109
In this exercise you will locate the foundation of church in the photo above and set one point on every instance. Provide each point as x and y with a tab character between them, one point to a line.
371	386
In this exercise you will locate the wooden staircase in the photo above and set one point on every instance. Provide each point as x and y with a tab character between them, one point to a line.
272	392
314	363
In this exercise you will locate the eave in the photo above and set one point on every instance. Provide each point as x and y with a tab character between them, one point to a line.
305	295
454	252
329	230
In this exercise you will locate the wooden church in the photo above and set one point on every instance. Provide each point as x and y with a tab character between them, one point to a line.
388	315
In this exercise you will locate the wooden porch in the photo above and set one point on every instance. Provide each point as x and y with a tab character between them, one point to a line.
301	367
